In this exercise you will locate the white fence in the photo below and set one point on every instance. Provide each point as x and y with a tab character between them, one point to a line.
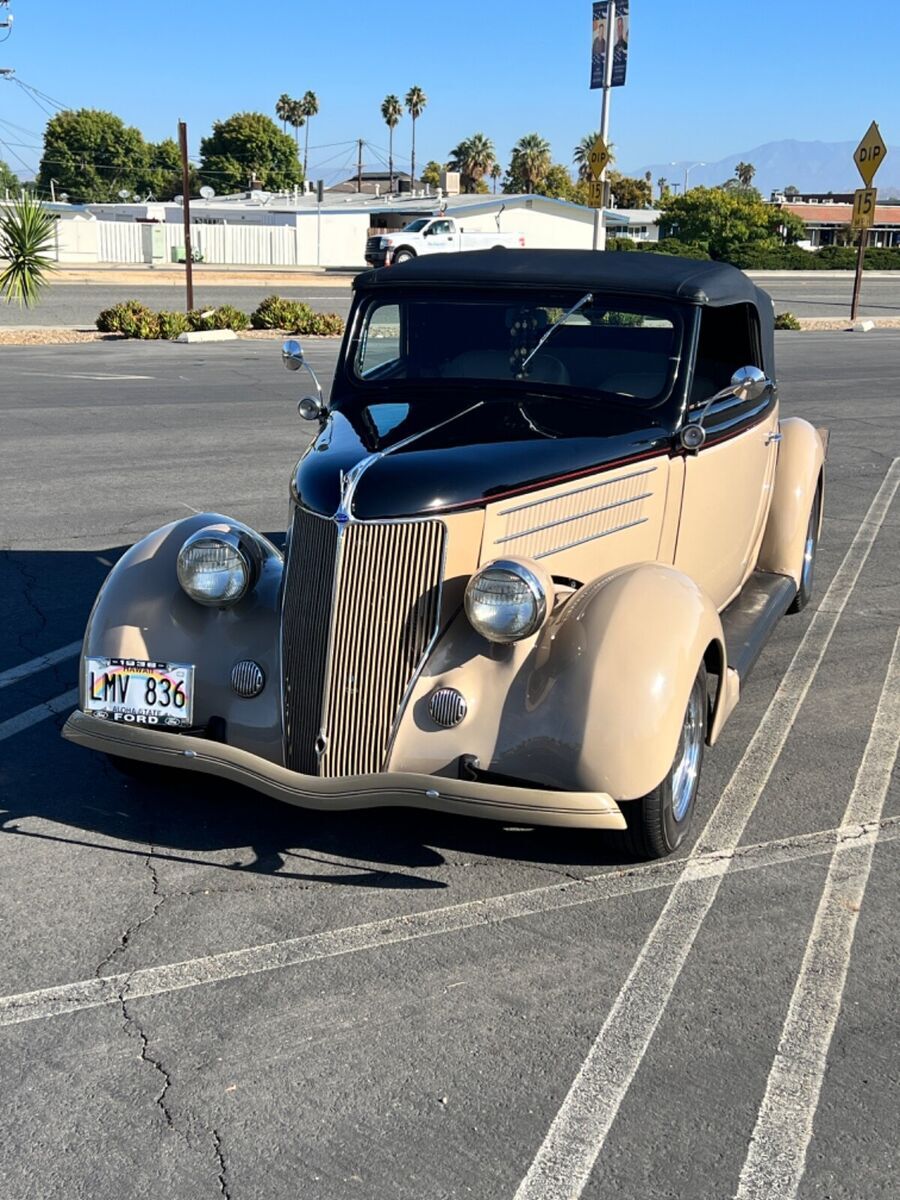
118	242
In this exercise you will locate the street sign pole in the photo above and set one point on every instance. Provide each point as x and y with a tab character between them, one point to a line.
186	214
599	227
868	156
857	283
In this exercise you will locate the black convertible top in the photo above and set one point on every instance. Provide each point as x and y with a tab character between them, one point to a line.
632	273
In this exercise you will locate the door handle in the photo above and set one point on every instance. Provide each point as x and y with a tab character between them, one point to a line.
774	437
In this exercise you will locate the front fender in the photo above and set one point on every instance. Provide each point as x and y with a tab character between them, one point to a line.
141	612
595	703
801	457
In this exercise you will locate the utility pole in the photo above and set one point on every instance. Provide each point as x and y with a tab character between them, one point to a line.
359	165
186	211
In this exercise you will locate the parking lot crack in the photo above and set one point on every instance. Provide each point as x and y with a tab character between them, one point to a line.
220	1159
134	1029
159	899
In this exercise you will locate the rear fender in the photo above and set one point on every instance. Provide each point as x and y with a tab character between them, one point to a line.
801	458
141	612
594	703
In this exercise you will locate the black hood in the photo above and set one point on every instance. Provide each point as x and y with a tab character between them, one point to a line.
465	455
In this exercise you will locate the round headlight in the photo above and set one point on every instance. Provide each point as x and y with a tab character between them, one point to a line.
214	568
507	600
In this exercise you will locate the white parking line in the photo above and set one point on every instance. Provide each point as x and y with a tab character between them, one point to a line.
776	1158
23	670
566	1157
293	952
40	712
100	378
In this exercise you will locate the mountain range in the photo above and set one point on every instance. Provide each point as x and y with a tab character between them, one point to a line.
810	166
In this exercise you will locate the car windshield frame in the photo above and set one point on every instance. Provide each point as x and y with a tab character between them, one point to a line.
351	383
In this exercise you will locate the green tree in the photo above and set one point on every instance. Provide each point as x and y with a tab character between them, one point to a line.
663	184
26	234
722	221
629	193
92	155
9	181
745	172
415	101
309	108
249	145
473	158
557	183
283	110
296	120
529	164
391	112
161	174
495	172
432	174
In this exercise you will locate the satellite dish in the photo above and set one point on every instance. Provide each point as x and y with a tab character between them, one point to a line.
207	192
124	194
179	199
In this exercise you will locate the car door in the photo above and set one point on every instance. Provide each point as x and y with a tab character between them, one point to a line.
441	237
728	483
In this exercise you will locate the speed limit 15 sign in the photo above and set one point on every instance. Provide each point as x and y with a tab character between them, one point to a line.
864	207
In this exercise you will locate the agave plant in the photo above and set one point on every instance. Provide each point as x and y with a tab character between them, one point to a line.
26	234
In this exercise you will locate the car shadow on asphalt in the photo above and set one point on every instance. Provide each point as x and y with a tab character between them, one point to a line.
191	818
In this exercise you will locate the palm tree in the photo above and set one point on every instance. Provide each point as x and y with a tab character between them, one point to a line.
663	184
495	173
26	234
531	160
415	101
391	112
309	107
296	119
473	158
745	172
582	154
283	110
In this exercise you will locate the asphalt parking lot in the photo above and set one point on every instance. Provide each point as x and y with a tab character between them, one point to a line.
207	994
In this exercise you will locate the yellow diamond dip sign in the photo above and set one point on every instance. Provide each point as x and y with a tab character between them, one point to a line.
869	155
598	160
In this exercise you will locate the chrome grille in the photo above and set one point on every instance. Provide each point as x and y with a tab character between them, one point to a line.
306	621
360	610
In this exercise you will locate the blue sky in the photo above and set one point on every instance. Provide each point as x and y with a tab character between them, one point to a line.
706	77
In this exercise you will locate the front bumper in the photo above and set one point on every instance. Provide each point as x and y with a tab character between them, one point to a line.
524	805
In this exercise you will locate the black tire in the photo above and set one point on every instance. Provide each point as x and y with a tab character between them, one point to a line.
811	545
498	247
659	822
403	255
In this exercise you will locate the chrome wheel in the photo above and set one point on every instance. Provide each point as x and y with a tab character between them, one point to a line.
687	760
809	551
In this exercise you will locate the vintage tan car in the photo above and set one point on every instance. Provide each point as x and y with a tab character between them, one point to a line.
547	522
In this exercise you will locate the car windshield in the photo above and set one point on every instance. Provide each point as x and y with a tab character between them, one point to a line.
416	226
625	348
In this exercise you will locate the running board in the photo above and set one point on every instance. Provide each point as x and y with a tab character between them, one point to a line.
749	619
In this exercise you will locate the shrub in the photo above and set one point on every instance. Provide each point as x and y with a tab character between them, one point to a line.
172	325
122	318
226	316
787	320
671	245
295	317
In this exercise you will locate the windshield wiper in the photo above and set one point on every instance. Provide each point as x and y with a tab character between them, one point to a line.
585	299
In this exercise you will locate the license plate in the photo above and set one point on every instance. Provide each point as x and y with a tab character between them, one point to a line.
135	692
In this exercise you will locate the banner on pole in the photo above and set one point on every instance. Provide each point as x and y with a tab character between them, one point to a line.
600	44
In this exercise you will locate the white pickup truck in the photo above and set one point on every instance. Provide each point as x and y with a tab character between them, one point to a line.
433	235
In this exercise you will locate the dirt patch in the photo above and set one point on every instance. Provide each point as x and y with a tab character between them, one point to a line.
54	337
812	323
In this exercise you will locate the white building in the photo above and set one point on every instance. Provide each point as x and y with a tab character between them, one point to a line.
293	229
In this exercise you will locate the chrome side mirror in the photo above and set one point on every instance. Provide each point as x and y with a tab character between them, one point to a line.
310	408
292	356
749	383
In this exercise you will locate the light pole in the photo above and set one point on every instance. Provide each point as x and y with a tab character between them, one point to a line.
687	170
